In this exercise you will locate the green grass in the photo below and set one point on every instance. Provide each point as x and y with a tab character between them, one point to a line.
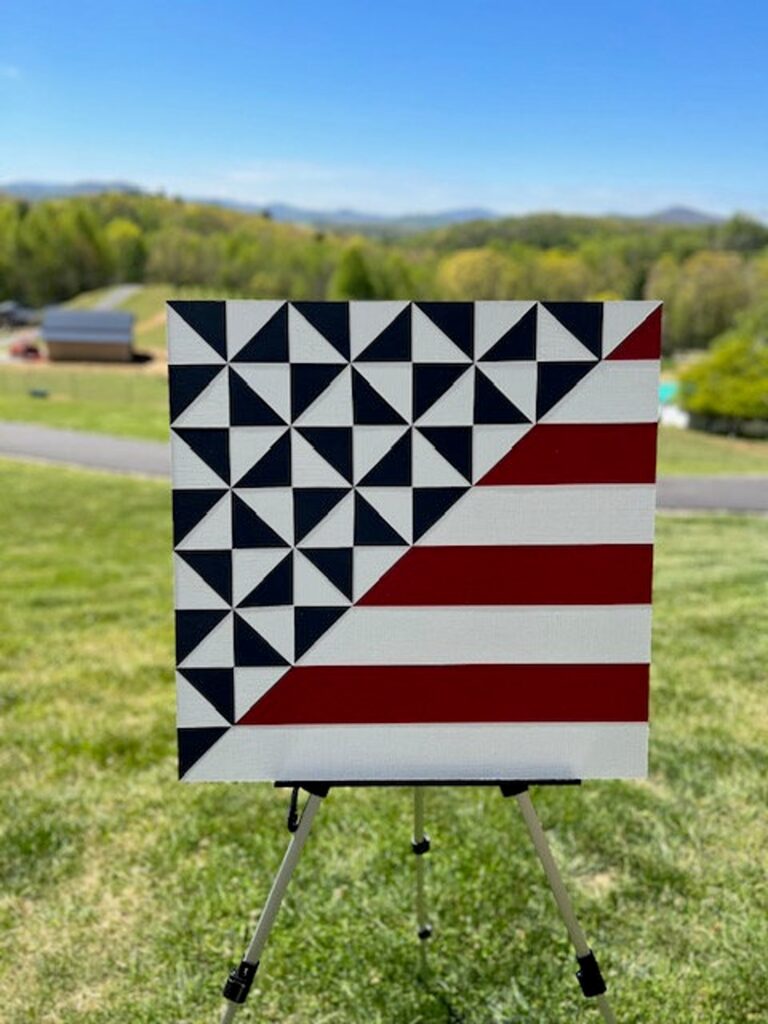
124	895
126	401
87	300
693	453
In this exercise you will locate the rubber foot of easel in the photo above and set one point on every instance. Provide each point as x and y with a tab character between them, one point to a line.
238	984
425	932
589	976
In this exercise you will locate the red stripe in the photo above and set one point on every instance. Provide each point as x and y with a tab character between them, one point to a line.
644	342
535	574
454	693
580	453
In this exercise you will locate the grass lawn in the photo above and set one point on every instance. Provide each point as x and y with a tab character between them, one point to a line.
128	401
694	453
87	300
124	895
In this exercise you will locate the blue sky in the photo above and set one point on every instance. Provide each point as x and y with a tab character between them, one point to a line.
394	106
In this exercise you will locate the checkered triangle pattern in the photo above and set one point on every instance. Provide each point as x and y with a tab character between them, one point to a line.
314	443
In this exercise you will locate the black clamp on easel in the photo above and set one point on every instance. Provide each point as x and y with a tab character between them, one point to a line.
240	979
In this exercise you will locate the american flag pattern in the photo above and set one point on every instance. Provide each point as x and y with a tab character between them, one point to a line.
413	540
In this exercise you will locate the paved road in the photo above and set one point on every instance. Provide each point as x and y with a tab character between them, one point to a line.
117	296
726	493
77	448
150	458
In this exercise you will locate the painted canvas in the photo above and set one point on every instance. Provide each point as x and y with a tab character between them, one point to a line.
413	540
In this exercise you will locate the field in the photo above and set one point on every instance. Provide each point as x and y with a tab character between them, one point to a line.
127	401
125	895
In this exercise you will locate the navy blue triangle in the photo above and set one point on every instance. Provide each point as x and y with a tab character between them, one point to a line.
274	467
335	564
431	381
270	344
554	382
519	342
311	623
215	567
251	649
193	743
189	508
211	444
311	505
454	444
308	382
186	383
331	319
370	528
249	530
275	589
192	627
217	685
246	408
368	407
456	320
206	318
583	319
393	344
394	469
431	504
334	444
492	406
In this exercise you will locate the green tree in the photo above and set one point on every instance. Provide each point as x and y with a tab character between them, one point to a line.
743	234
702	296
129	250
477	274
561	276
352	279
729	383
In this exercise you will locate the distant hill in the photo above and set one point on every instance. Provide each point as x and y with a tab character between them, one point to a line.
358	218
34	191
683	215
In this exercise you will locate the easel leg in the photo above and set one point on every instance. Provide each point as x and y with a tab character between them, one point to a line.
241	978
590	978
420	846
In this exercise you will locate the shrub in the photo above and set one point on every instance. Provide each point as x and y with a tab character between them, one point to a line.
727	390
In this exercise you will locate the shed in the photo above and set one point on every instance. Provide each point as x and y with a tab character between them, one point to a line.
88	335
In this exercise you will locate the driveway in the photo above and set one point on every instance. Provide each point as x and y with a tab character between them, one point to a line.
151	458
77	448
117	296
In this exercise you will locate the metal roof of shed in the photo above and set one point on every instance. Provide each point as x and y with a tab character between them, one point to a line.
84	325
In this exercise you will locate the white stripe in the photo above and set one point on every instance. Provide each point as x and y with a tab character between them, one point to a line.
552	635
582	750
557	514
625	391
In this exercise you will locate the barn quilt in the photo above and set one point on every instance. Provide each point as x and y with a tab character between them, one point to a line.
413	540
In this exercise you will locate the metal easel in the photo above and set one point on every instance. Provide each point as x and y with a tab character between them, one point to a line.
240	979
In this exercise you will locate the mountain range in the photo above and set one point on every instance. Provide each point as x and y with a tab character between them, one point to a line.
34	191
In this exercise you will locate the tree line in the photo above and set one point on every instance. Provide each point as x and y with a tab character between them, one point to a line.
707	275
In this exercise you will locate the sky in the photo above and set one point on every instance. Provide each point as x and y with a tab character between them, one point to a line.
595	106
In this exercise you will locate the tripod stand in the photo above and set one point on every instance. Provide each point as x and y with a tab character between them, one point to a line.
240	979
